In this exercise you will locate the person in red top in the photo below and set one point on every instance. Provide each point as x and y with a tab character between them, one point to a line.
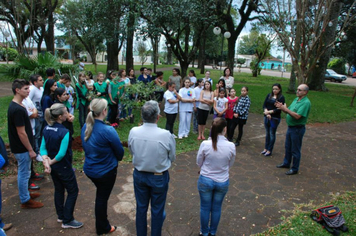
232	100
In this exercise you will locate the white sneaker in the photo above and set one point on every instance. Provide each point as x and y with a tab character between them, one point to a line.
175	136
185	136
180	137
39	157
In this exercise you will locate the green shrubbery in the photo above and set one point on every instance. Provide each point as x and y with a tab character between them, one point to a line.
338	65
11	53
26	66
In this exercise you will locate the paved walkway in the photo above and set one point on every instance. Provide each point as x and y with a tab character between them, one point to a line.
258	193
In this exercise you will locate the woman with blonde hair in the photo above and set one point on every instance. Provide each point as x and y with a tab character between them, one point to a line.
56	150
103	150
215	157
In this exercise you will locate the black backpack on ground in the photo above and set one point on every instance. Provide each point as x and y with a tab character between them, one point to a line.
330	218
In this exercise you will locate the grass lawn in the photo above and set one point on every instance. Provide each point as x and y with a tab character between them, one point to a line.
300	222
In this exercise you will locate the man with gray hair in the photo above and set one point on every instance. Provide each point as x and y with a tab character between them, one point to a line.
153	150
297	116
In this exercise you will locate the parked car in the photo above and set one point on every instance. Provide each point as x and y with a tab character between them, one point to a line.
354	75
333	76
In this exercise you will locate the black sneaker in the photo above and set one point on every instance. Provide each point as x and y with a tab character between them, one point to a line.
237	143
33	186
72	225
37	177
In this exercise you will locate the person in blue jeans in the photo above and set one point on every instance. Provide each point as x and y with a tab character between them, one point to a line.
56	150
215	157
103	150
297	116
22	142
153	150
3	162
272	117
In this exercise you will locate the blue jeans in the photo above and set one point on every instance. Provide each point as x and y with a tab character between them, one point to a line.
64	179
23	175
150	187
293	146
211	198
195	121
271	128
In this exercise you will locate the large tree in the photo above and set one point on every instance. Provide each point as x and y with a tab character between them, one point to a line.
77	17
181	22
46	23
262	50
248	43
346	47
21	15
225	10
307	30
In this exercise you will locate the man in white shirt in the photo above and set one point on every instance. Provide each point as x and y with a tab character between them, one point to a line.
36	91
153	150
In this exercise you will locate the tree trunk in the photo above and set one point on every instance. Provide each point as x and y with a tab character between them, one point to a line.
154	41
129	42
202	55
292	81
183	68
39	43
49	35
317	76
353	98
231	52
112	49
169	56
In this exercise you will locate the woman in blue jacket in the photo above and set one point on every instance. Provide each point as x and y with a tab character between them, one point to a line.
103	150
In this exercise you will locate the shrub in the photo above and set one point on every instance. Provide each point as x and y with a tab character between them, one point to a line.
338	65
12	53
25	66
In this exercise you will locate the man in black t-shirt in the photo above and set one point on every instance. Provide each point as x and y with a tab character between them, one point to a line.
22	142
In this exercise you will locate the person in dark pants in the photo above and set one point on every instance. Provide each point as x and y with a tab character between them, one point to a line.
153	150
103	150
82	102
240	115
297	116
171	98
56	150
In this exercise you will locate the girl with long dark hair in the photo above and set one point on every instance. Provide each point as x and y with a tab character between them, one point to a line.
206	100
272	117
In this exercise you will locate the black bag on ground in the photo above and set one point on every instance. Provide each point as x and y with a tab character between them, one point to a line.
330	218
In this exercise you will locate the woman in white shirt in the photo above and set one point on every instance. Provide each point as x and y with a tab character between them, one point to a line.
215	157
186	106
171	98
229	80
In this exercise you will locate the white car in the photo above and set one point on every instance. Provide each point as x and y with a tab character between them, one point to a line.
333	76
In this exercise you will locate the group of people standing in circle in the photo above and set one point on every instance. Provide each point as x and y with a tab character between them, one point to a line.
198	99
103	149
